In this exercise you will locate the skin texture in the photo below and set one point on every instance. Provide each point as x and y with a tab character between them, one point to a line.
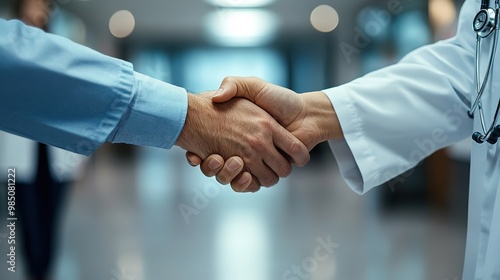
309	116
239	127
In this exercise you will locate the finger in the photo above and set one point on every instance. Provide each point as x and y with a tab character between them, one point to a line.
193	159
242	182
231	169
212	165
290	145
253	184
225	93
277	162
265	175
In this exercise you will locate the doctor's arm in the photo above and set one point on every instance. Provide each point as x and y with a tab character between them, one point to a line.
66	95
393	118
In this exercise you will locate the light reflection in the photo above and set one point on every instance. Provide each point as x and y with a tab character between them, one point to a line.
206	68
324	18
242	247
236	27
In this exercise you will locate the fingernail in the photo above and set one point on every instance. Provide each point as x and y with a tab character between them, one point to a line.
243	180
233	165
214	164
190	162
218	92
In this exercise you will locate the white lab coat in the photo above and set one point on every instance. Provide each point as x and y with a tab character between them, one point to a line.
395	117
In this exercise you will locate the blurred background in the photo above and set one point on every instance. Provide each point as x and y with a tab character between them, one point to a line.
129	213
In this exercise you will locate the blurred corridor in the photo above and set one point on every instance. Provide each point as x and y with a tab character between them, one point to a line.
154	217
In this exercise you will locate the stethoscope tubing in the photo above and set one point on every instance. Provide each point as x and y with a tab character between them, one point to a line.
480	87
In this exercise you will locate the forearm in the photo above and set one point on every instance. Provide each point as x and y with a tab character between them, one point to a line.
58	92
393	118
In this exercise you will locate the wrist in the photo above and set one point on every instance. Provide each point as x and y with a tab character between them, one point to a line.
322	114
188	138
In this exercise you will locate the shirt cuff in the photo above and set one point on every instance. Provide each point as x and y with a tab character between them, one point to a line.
156	114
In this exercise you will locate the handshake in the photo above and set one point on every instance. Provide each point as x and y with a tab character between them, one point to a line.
250	132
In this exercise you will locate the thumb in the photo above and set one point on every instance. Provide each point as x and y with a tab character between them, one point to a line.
245	87
227	90
224	94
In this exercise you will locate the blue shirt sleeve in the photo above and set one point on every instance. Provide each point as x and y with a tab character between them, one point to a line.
63	94
156	115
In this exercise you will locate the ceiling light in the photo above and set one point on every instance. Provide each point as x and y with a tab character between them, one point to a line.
237	27
122	24
240	3
324	18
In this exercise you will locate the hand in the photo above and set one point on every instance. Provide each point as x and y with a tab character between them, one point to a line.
310	117
238	127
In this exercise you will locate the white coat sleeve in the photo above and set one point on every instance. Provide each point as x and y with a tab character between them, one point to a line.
395	117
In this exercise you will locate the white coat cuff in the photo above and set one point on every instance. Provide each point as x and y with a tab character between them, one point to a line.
356	161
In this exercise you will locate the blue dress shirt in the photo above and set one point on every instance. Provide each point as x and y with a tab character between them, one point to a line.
66	95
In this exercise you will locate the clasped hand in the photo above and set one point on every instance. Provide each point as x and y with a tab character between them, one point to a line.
250	132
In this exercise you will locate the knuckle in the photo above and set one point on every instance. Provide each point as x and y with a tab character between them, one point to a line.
249	157
266	123
228	79
285	170
255	80
257	144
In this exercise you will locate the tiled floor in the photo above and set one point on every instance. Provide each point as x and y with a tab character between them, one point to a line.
159	218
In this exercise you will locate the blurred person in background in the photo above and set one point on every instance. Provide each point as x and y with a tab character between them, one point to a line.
385	123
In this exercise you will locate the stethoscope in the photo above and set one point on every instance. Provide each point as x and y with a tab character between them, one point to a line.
485	23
